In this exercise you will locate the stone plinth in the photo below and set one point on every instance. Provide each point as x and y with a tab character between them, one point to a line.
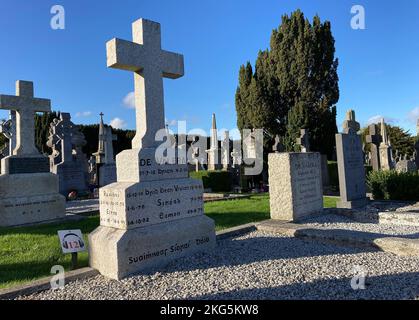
117	253
137	165
295	185
29	198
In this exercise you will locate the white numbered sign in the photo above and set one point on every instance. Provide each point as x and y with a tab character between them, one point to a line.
71	241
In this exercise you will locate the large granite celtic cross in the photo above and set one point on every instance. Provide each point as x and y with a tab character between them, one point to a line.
25	106
150	65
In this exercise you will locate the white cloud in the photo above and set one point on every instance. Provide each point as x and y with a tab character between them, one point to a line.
171	123
83	114
118	123
377	119
129	100
413	115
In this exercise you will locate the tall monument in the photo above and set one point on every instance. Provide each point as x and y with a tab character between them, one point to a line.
214	151
154	212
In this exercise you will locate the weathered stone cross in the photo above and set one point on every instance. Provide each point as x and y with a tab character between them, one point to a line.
150	64
350	125
64	131
25	106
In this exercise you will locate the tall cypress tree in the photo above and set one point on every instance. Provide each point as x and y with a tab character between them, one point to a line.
294	85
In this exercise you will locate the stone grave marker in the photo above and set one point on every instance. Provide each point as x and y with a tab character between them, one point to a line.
386	157
351	165
154	212
374	139
295	185
28	191
72	175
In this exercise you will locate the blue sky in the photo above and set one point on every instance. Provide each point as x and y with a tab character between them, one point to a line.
379	66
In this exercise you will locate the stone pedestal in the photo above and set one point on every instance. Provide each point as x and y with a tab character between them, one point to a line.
117	253
351	171
295	185
145	224
29	198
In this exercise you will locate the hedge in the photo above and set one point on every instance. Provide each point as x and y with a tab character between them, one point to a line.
393	185
217	181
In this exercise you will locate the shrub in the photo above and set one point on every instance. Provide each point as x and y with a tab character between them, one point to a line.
333	174
217	181
393	185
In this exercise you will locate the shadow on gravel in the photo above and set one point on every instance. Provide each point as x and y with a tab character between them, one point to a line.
235	252
400	286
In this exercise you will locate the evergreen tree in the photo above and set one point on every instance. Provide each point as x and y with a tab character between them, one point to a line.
294	85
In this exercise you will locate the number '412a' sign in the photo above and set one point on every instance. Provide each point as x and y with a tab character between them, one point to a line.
71	241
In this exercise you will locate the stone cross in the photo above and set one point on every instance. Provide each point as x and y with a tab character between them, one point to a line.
350	126
25	106
304	140
150	65
375	139
63	130
237	157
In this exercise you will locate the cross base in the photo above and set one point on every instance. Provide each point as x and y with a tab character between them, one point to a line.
140	165
25	164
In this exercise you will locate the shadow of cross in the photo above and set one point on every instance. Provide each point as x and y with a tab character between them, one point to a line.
150	64
25	106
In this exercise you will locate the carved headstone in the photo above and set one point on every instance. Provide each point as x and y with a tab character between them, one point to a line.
351	165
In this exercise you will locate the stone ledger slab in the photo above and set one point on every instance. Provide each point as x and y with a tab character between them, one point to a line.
29	198
118	254
295	185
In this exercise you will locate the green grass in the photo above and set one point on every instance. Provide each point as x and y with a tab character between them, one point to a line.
28	253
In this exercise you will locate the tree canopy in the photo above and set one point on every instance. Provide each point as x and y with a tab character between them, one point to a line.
294	85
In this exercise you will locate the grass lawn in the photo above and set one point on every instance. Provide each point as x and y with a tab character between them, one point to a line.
28	253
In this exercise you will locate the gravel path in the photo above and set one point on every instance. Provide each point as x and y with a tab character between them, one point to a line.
332	221
262	266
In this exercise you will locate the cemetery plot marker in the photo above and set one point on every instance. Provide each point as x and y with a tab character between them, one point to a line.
28	191
154	212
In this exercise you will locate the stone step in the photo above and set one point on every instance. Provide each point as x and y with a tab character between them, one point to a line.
395	245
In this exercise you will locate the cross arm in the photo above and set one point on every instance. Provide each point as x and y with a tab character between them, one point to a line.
19	103
126	55
172	65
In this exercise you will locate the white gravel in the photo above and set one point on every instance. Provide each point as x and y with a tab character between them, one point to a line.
262	266
332	221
